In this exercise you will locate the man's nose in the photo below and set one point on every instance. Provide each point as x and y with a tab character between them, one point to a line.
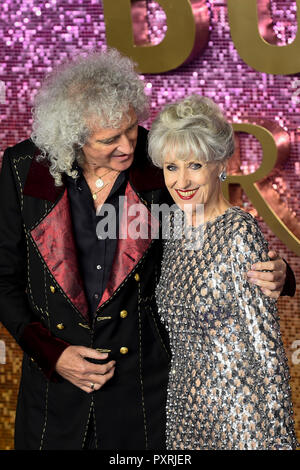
125	145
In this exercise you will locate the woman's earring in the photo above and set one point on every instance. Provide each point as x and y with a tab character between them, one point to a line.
223	176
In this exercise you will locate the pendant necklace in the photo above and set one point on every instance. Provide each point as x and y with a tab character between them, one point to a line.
99	182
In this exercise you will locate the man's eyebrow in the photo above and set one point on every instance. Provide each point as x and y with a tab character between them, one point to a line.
118	135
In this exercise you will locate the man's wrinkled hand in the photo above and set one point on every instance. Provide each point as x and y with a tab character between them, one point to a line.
272	282
73	366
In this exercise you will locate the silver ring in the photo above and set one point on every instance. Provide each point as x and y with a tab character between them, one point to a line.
92	386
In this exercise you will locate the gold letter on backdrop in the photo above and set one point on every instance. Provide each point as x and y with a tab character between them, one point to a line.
245	17
275	146
186	35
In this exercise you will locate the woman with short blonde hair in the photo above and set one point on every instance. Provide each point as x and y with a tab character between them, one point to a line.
228	382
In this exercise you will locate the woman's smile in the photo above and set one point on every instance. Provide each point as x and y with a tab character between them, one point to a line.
186	193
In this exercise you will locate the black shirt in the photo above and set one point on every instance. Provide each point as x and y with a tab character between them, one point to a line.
95	253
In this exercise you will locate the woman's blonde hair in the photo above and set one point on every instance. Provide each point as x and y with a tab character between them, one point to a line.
193	127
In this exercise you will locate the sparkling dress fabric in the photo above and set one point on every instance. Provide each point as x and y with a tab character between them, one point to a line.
229	378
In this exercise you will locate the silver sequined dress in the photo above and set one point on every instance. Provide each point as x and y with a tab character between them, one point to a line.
228	384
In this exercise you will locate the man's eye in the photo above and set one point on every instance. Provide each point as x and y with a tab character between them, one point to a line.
108	142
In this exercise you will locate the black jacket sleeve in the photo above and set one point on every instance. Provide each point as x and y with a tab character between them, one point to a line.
289	287
15	312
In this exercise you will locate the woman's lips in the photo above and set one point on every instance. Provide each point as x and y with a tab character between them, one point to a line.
186	193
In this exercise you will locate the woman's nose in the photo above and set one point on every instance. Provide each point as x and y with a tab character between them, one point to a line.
182	180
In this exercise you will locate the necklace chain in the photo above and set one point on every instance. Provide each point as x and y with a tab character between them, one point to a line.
99	178
101	185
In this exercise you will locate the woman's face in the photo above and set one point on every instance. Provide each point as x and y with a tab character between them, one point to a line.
192	182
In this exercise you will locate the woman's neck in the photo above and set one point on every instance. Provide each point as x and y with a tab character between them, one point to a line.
211	210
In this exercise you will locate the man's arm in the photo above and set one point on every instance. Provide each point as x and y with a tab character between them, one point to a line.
55	357
15	312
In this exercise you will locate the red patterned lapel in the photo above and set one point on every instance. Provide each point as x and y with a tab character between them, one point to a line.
130	250
54	239
53	236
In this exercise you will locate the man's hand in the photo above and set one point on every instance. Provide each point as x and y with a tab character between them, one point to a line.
271	283
73	367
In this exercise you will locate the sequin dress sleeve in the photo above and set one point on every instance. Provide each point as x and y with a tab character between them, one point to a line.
267	406
229	377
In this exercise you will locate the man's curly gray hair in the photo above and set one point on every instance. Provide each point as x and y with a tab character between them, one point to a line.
89	92
193	127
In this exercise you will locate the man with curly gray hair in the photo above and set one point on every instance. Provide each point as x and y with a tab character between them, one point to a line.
80	305
97	91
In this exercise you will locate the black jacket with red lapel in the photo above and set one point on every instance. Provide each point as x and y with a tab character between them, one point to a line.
43	305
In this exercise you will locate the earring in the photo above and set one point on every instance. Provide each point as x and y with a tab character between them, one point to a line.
223	176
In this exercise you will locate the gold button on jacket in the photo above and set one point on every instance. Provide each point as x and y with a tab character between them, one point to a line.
60	326
123	313
137	277
124	350
52	288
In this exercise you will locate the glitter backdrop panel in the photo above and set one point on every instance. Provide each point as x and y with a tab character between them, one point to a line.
35	35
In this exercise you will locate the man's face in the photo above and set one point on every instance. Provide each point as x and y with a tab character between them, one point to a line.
113	147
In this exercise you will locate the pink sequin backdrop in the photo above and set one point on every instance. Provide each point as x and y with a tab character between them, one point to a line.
36	35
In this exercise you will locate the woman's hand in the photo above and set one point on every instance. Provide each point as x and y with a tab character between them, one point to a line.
85	375
272	282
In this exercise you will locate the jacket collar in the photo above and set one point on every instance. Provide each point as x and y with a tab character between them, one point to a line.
39	182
